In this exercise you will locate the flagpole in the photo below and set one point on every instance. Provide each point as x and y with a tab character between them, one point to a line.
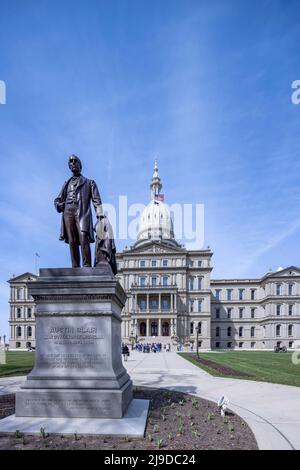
36	264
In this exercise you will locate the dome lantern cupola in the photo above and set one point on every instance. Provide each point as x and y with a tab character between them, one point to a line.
155	185
155	222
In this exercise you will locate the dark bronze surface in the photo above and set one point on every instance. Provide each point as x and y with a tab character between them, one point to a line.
74	203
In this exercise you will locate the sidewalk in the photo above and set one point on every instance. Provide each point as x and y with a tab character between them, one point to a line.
272	411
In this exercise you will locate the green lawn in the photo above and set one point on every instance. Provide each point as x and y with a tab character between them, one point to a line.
17	363
263	366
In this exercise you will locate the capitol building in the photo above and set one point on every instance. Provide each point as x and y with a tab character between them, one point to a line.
172	298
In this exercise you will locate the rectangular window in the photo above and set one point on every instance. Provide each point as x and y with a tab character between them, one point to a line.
199	283
241	344
29	313
165	281
278	310
19	293
252	312
252	294
290	309
18	313
217	313
217	294
165	263
154	304
191	305
143	304
199	263
199	305
165	304
290	289
252	344
142	263
217	344
192	328
278	289
229	310
229	345
241	312
142	281
191	263
153	280
241	294
191	283
153	263
229	294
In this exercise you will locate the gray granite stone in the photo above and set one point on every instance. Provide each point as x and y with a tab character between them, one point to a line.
132	424
78	365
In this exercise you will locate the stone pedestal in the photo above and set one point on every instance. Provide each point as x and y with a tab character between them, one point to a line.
78	370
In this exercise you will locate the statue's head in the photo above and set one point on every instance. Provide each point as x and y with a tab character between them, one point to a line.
75	164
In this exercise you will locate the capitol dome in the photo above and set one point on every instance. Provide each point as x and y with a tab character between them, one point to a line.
155	222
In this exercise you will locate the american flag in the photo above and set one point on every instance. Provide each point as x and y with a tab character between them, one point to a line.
159	197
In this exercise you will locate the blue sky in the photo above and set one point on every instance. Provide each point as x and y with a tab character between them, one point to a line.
203	85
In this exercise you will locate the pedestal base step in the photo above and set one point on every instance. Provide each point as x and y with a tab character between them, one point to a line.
132	424
78	403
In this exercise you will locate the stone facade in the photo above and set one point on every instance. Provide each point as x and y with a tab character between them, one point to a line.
170	294
22	313
168	291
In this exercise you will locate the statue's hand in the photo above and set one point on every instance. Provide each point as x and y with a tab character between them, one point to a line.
60	206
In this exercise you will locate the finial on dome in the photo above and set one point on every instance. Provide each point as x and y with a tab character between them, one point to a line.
155	185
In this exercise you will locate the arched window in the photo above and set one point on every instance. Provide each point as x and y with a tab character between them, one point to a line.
229	332
278	330
19	331
290	330
192	328
218	331
199	328
29	331
252	331
240	331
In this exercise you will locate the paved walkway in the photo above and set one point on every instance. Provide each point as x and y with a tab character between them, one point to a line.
272	411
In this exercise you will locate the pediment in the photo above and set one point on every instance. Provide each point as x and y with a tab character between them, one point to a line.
155	247
286	272
23	277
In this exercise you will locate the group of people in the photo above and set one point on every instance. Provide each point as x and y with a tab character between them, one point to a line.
152	347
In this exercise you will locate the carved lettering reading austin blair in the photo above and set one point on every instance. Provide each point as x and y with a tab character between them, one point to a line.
71	330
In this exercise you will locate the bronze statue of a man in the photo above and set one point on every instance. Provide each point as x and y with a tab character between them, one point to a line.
74	202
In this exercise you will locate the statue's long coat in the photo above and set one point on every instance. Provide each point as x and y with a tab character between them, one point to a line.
86	192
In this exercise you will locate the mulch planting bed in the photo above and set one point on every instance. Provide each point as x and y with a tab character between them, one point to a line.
175	421
220	368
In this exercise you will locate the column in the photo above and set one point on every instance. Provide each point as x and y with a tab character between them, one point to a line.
148	303
159	302
147	327
172	302
159	327
175	326
175	302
